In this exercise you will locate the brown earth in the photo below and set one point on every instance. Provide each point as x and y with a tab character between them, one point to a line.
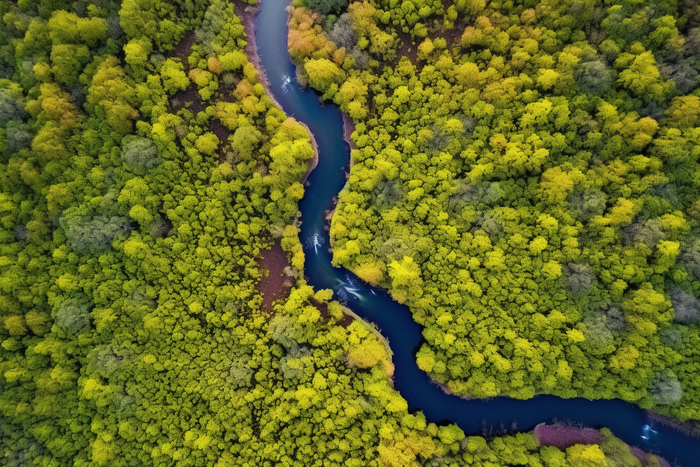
323	308
275	285
452	36
188	98
182	50
407	49
220	131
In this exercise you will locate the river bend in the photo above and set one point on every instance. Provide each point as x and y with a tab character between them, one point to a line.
627	421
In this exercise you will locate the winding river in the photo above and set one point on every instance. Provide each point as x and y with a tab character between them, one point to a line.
394	320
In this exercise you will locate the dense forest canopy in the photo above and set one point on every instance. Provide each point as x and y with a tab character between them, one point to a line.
525	178
144	171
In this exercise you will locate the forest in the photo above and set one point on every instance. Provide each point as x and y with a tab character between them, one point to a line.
144	171
525	179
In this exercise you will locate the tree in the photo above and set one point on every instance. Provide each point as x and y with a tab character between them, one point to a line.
240	372
406	279
11	106
110	90
586	456
285	330
390	193
594	77
323	74
596	331
666	389
343	32
136	52
173	76
615	319
94	234
106	360
233	61
647	232
19	136
245	140
684	111
327	6
578	278
686	307
68	62
73	315
367	354
139	153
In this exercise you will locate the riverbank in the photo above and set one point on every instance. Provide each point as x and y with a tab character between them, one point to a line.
381	338
248	15
688	428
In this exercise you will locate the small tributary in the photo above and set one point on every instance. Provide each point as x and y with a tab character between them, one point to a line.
627	421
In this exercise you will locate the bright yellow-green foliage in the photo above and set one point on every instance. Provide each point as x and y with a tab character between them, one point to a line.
525	179
131	332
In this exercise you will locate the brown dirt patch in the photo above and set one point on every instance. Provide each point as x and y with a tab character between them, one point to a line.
407	49
275	285
346	321
220	131
453	36
183	49
188	98
323	308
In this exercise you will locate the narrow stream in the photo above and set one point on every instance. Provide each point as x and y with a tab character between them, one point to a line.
394	320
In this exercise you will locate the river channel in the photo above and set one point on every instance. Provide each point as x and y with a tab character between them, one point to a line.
395	322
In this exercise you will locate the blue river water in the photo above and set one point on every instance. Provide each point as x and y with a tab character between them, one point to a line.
394	320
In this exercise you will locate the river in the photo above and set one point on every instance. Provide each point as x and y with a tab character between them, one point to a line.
395	322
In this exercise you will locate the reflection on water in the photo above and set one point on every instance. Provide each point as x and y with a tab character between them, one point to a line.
285	83
647	432
315	241
347	288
